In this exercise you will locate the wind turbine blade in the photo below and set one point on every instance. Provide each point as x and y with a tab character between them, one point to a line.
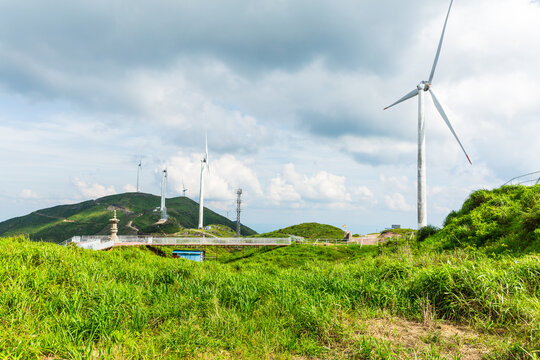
406	97
440	45
443	114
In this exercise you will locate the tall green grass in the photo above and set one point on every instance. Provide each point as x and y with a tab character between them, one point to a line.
503	220
66	302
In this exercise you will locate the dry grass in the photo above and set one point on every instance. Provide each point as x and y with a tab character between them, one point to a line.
450	341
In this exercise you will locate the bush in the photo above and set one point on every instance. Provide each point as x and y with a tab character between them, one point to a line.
453	214
497	221
426	232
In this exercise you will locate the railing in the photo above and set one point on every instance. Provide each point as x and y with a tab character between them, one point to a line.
103	242
531	179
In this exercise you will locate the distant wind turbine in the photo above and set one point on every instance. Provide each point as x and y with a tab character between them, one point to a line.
139	169
204	166
163	209
420	89
184	189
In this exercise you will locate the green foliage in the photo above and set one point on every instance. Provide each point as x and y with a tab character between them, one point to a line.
308	231
92	217
300	301
449	217
506	219
426	231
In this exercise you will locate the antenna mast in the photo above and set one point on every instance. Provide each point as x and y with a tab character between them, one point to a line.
238	210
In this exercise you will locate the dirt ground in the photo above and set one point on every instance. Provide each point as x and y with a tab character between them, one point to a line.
373	239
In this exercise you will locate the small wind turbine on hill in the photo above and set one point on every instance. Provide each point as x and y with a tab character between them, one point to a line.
184	189
204	166
162	208
419	91
139	169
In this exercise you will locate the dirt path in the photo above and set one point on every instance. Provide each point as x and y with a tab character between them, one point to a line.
371	239
374	239
54	217
130	225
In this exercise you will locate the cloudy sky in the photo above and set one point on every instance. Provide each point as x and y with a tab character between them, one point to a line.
290	92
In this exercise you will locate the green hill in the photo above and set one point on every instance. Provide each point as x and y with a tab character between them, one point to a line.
504	219
136	212
308	231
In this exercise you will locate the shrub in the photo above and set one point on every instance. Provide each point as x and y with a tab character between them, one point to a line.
498	221
453	214
426	232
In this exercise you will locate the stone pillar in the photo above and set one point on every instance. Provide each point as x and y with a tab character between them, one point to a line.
114	227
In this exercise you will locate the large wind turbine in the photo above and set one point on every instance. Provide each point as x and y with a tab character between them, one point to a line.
204	166
419	91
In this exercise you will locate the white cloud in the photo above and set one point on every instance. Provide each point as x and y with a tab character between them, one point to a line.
129	188
28	194
92	191
281	191
172	98
225	176
379	150
397	182
319	188
397	202
364	194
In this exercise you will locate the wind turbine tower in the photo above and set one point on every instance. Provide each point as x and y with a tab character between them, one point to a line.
204	166
163	209
238	210
139	169
419	91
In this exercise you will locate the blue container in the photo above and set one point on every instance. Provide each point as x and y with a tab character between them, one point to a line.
195	255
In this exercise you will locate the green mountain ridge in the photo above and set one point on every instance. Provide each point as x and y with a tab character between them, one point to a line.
136	212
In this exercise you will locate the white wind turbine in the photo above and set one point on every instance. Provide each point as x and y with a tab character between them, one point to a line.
163	209
419	91
204	166
139	169
184	189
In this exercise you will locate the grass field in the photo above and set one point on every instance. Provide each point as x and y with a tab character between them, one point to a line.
298	302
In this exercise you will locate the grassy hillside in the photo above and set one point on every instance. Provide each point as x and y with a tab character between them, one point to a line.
504	219
308	231
91	217
303	302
